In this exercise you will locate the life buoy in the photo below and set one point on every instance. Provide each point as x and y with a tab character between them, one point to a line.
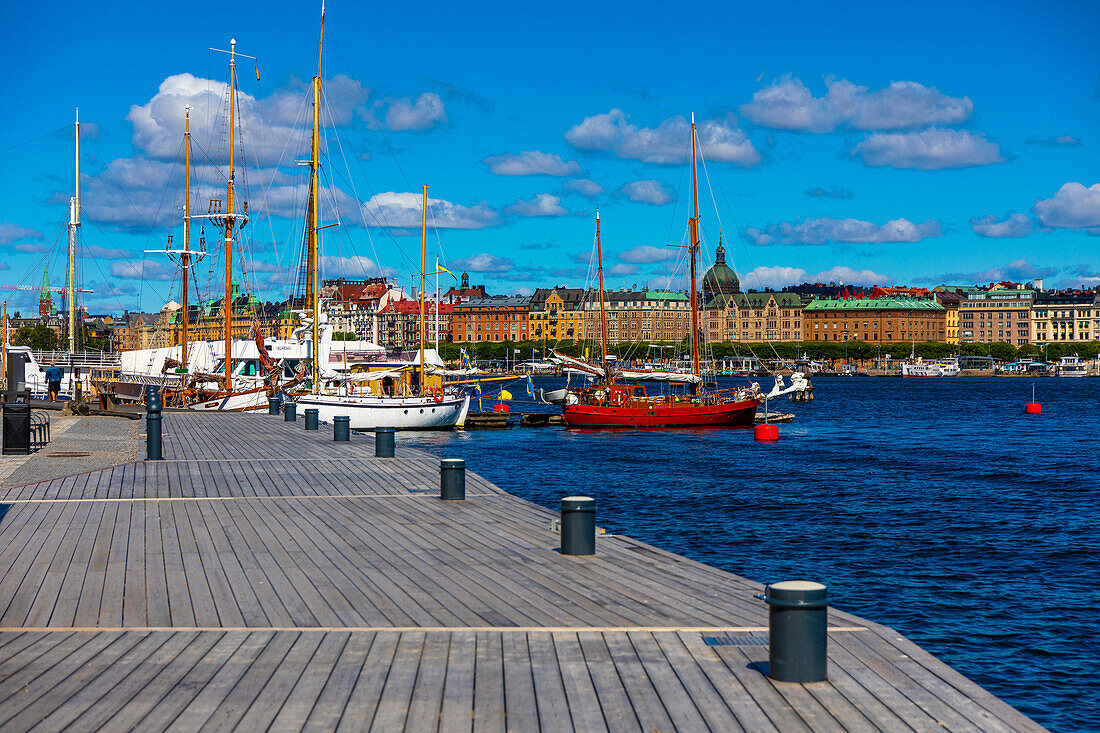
437	393
619	398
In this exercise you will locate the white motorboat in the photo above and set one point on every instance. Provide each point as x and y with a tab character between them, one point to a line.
1072	366
920	368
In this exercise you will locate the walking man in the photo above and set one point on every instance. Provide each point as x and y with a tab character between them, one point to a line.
53	382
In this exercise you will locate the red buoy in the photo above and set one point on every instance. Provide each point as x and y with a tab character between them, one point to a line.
766	431
1033	408
500	408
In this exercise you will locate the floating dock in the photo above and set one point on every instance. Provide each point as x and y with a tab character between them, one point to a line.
266	577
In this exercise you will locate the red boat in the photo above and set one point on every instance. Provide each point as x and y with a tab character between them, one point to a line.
628	406
616	405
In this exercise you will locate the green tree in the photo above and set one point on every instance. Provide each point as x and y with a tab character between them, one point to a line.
39	338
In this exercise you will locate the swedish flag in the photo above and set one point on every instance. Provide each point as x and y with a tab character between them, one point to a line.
530	387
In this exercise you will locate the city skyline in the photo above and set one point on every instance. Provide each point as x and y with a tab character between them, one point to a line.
897	148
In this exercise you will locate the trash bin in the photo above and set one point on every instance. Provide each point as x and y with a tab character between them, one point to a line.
17	429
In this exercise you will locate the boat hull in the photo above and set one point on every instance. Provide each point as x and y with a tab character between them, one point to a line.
253	399
402	413
724	414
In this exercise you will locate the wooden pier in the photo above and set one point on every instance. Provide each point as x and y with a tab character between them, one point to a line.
266	577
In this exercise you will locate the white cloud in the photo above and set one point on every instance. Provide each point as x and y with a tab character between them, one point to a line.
31	247
1012	226
827	230
1018	271
355	266
932	149
647	192
143	270
484	262
404	114
668	143
531	163
104	253
403	210
644	254
585	187
543	204
789	105
12	233
780	277
1073	207
623	270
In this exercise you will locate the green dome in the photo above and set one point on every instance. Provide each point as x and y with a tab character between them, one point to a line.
720	279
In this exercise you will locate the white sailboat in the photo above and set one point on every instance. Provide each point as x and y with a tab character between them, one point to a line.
373	399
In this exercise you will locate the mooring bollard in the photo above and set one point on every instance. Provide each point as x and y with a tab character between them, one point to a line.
385	440
452	479
341	428
290	411
153	448
311	418
797	639
272	405
578	525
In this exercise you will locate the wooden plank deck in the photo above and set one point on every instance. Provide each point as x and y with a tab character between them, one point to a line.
267	577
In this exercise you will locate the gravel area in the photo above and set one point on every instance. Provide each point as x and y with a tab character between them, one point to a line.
104	441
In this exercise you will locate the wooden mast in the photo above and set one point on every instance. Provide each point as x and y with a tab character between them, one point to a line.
693	250
74	225
186	257
423	257
603	310
227	302
314	218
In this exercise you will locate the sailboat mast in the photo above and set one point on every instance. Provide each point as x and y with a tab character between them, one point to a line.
694	250
186	257
437	305
423	257
312	245
74	224
603	308
227	302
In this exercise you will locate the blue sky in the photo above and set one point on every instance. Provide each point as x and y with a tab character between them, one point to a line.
867	142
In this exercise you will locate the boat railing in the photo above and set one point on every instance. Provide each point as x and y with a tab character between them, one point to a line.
80	358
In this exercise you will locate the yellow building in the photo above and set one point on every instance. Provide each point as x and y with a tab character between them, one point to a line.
557	314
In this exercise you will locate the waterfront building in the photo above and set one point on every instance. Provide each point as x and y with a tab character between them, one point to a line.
950	301
753	317
557	314
720	279
353	306
500	318
646	315
1000	312
888	320
1067	316
399	323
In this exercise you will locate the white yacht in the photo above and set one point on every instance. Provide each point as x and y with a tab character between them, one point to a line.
921	368
1072	366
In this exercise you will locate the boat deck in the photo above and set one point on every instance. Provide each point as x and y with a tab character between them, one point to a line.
264	576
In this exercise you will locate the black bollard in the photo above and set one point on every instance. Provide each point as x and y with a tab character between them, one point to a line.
797	615
452	479
385	440
578	525
153	448
341	428
311	418
290	411
272	405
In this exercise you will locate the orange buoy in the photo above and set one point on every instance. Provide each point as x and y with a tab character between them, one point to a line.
766	431
500	408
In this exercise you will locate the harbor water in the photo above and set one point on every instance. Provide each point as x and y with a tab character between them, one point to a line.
935	506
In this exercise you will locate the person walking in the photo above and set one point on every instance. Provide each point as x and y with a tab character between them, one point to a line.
53	382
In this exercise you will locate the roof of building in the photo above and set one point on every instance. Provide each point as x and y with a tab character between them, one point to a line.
721	278
755	299
865	304
571	297
1070	297
497	301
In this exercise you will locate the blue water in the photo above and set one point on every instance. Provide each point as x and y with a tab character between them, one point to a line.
934	506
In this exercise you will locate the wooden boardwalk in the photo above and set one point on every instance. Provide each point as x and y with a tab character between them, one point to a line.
267	577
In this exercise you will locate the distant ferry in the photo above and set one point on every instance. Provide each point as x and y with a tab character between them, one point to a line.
1072	366
944	368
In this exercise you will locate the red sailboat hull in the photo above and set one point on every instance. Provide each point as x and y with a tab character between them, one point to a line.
687	415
